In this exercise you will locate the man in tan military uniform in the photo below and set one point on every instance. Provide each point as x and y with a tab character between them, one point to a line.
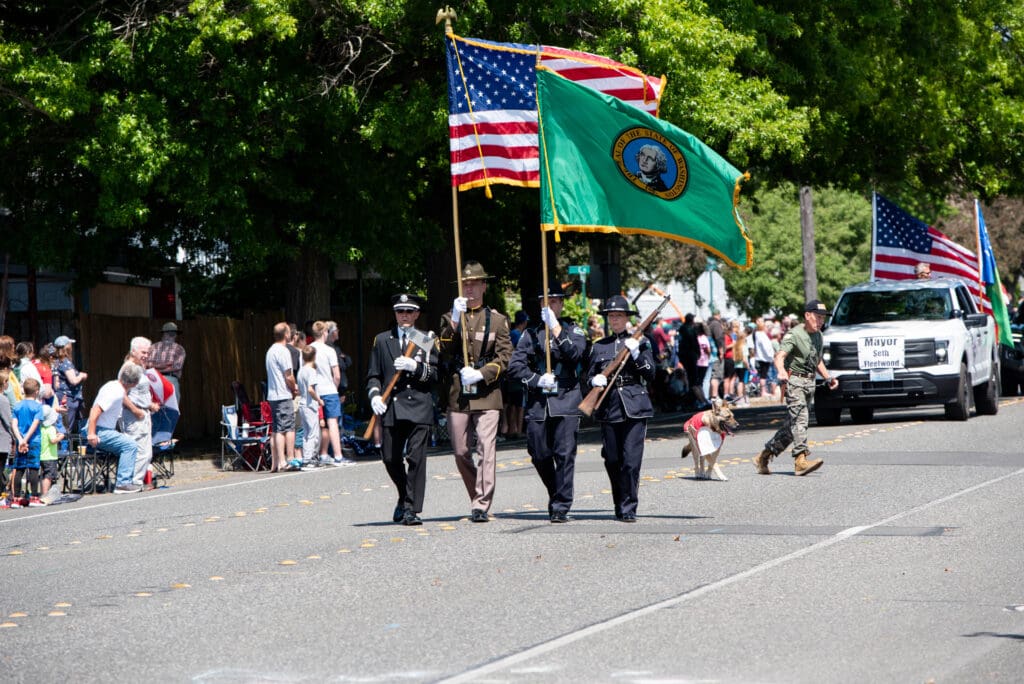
474	400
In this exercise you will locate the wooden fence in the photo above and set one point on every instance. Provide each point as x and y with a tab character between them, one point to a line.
218	351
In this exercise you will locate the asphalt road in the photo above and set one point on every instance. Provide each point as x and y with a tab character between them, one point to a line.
899	561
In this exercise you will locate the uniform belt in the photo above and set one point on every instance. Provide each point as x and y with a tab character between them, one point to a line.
621	381
797	374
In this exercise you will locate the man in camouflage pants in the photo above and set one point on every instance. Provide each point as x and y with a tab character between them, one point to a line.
797	361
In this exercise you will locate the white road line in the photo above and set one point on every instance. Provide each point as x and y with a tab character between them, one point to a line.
476	673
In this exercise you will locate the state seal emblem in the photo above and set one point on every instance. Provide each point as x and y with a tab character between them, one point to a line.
650	162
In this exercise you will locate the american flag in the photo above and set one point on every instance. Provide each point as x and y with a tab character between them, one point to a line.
901	241
492	107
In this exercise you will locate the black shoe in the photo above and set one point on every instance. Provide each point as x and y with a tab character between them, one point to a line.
399	513
559	517
628	518
411	519
478	516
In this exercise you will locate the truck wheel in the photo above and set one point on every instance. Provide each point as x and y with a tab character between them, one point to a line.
827	416
986	397
862	414
961	408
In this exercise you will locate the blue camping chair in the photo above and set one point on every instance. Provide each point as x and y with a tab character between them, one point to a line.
164	422
243	446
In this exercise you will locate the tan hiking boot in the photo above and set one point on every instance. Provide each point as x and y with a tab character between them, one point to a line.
801	466
761	462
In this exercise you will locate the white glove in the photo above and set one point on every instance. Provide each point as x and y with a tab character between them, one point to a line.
548	380
405	363
633	345
599	380
470	376
378	406
459	306
549	318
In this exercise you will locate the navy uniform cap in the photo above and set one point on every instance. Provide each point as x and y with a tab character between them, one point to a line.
617	303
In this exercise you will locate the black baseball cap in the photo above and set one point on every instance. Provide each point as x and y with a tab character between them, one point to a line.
815	306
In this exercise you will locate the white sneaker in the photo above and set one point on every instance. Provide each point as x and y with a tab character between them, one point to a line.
127	489
344	461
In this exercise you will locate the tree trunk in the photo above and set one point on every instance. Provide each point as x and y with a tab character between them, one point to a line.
309	287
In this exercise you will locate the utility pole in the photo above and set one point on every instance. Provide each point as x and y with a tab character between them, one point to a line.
807	239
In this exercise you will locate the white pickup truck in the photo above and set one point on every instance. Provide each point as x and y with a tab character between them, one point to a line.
898	343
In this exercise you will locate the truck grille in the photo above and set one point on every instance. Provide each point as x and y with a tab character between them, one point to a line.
917	353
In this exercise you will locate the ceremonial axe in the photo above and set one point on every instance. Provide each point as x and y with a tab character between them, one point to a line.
423	340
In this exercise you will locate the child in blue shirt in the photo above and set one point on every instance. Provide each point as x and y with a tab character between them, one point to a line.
26	420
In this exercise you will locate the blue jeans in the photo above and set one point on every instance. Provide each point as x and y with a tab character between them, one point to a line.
126	449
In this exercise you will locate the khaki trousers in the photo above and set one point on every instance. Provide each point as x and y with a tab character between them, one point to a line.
475	433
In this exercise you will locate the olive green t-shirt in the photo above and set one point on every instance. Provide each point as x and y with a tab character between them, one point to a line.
803	350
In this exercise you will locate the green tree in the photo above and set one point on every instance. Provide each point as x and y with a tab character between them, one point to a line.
775	282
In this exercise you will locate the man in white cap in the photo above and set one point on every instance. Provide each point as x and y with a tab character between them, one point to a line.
168	357
408	414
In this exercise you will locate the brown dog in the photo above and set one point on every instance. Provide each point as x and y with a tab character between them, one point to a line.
706	431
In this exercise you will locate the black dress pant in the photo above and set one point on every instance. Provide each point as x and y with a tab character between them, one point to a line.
407	441
623	452
552	447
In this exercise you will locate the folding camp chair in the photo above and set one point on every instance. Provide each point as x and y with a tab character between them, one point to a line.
88	470
245	446
164	422
250	411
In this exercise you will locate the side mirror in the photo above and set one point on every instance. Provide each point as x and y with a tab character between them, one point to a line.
976	320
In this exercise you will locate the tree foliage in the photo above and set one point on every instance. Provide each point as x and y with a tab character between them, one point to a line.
270	141
774	284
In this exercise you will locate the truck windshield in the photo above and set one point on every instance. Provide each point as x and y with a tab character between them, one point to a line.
906	305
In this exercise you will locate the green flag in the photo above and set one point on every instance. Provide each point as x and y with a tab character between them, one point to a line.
607	167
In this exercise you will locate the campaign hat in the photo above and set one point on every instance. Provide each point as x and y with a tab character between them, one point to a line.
473	270
617	303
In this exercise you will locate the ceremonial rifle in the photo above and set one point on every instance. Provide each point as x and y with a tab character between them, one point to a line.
596	395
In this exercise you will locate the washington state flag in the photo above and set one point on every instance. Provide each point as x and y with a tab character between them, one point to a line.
608	167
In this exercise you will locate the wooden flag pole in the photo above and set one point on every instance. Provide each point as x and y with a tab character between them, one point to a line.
544	284
448	16
458	271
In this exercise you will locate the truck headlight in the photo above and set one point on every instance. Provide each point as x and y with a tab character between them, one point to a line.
826	355
941	351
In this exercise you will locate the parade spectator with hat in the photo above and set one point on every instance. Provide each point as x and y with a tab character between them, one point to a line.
797	362
474	399
168	357
407	416
70	383
553	398
626	406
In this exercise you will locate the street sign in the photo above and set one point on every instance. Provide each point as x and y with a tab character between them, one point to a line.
580	270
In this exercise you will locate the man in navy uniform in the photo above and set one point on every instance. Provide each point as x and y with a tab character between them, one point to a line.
406	418
626	407
474	400
552	413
